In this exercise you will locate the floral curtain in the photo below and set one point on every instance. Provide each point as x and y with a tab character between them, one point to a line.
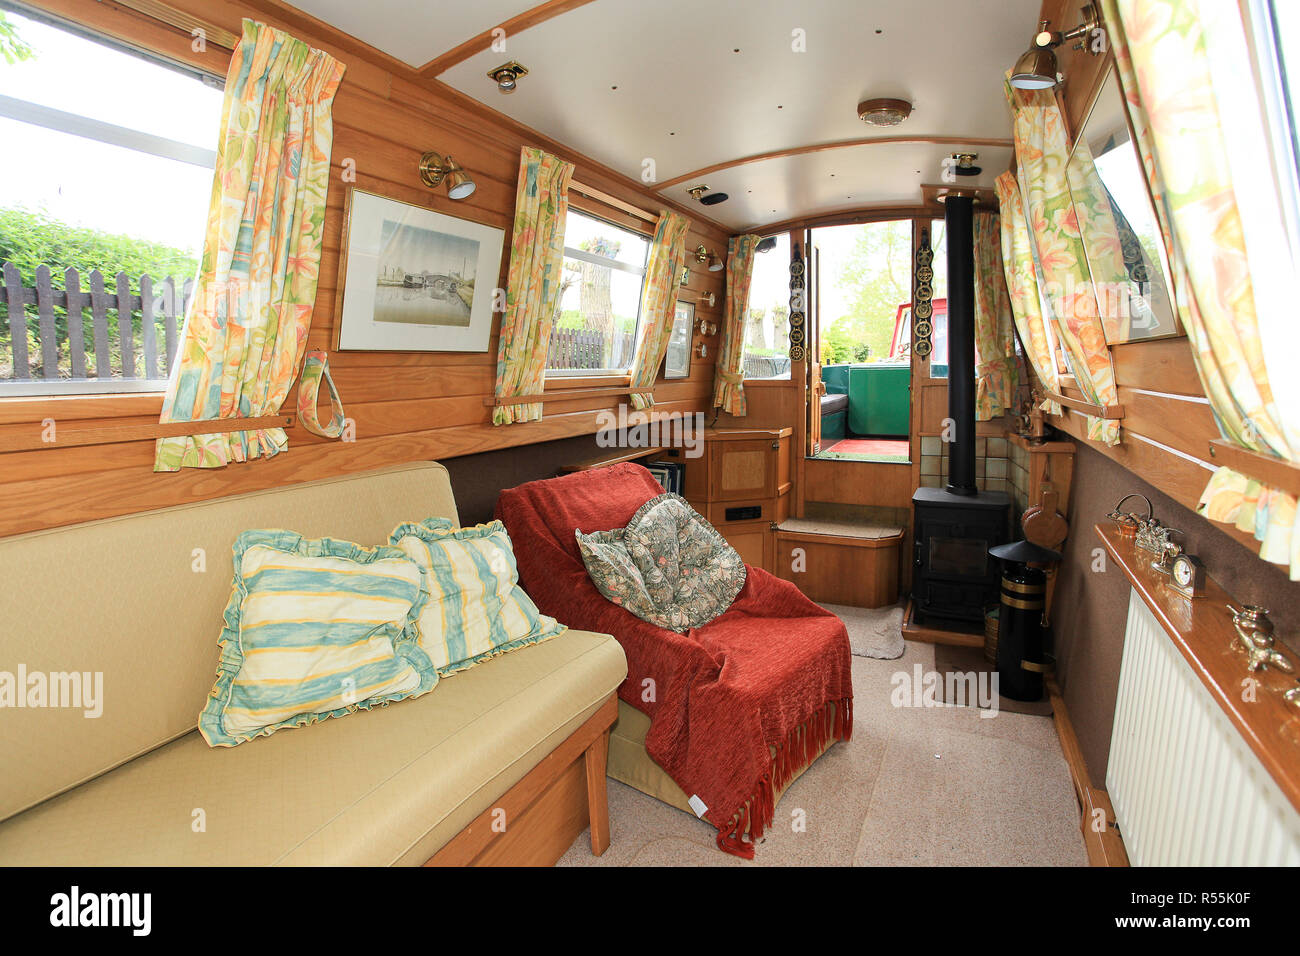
1041	156
729	376
995	350
1184	69
533	286
247	325
1022	286
659	300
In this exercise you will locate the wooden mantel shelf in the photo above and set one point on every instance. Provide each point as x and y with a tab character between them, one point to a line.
1202	630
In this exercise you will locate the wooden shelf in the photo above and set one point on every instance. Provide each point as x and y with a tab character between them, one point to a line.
1202	631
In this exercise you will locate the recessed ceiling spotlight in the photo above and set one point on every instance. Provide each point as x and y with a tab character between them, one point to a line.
963	164
884	111
702	195
507	75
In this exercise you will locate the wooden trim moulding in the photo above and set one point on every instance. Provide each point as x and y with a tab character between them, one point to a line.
559	394
483	41
29	437
837	144
1271	470
591	192
1105	846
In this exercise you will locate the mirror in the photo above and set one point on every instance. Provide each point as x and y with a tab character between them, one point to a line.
677	359
1117	222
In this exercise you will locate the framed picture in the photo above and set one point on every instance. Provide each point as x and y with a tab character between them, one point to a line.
677	360
414	280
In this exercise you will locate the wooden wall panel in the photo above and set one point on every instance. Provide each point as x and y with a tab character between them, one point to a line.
405	406
870	483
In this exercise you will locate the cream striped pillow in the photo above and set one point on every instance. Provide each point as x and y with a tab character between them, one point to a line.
314	629
476	608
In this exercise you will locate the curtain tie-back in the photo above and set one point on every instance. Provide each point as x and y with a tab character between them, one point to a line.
315	368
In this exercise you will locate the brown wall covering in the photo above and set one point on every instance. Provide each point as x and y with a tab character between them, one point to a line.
1090	608
407	406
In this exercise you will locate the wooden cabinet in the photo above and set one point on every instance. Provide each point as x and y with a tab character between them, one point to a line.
740	482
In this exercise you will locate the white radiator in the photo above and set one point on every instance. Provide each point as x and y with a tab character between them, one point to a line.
1186	788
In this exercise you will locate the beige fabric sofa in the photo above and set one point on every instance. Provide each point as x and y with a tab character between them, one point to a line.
139	600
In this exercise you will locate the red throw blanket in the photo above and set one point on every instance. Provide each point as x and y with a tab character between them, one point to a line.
772	674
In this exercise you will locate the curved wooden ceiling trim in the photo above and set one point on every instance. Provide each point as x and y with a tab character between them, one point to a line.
838	144
516	24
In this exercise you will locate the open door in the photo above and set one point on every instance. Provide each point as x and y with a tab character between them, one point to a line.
814	387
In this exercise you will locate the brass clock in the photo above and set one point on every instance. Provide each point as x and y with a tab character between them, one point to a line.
1187	575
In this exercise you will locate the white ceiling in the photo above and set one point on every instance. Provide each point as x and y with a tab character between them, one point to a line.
414	31
685	99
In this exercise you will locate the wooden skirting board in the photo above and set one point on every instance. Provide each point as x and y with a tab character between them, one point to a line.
1101	836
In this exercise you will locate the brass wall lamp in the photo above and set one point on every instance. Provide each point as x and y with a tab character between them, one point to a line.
435	168
703	255
1036	69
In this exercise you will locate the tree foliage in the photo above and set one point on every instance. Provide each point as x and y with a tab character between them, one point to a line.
876	278
34	238
12	47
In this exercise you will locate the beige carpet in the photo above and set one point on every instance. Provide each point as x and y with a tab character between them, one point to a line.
937	786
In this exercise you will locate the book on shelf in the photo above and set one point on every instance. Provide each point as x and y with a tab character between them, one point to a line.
669	474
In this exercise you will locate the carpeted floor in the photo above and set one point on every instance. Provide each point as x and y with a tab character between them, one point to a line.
868	449
938	786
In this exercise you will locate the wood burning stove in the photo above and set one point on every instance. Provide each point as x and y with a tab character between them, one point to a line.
952	576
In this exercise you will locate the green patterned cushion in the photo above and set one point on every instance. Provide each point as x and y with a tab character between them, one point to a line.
476	608
669	566
314	629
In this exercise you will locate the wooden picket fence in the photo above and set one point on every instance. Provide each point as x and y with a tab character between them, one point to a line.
583	348
130	342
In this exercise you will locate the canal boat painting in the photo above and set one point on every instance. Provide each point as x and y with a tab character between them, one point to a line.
414	279
425	277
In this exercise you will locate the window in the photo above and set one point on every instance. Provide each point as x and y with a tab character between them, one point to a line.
767	327
600	299
107	165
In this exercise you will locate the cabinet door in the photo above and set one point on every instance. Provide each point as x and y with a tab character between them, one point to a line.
743	469
752	542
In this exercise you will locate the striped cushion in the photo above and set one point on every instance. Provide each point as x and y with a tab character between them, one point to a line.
314	629
476	608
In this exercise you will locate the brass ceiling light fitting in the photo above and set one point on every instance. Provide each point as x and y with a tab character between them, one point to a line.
435	168
963	164
884	111
703	255
1036	69
700	193
507	75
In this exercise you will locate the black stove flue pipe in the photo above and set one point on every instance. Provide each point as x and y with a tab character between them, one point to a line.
961	345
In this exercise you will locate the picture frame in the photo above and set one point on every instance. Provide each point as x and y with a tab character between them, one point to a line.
414	280
677	357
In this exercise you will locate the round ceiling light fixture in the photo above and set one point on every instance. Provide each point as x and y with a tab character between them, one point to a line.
884	111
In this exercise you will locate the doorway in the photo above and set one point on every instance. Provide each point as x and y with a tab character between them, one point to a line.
863	295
